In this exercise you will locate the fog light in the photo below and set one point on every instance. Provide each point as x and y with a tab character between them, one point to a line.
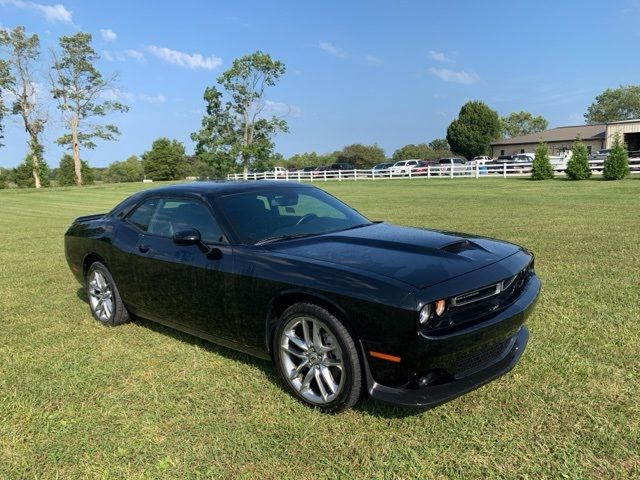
440	306
425	313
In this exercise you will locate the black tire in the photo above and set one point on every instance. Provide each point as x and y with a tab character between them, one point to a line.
118	314
350	387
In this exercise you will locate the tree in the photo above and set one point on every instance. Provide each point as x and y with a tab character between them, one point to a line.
4	81
522	123
77	86
165	160
23	176
439	144
66	173
578	165
21	83
129	170
541	168
236	130
612	105
5	175
362	156
473	131
421	151
616	165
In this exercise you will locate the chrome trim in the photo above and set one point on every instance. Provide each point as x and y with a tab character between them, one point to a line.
498	288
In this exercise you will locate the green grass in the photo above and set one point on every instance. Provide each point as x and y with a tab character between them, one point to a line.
78	400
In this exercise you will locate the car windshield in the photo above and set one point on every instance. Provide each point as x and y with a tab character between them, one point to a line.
279	214
400	164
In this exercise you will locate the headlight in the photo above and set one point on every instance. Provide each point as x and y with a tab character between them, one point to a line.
425	314
438	307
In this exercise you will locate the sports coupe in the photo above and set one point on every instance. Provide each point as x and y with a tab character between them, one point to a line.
343	306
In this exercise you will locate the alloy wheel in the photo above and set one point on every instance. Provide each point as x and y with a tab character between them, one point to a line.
100	296
312	360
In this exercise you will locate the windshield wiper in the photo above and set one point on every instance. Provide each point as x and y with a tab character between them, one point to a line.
278	238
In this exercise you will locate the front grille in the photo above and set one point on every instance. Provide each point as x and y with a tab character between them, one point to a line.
477	361
471	307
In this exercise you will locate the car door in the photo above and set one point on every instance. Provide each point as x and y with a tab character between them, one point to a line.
182	284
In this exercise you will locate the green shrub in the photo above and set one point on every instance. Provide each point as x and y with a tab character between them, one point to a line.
541	168
616	166
66	174
578	166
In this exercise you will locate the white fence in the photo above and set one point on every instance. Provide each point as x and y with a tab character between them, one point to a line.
431	171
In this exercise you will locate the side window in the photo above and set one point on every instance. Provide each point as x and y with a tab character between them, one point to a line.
173	215
141	216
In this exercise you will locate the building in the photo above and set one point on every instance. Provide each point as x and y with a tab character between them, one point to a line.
596	137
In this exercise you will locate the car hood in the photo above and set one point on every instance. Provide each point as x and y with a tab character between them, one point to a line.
417	257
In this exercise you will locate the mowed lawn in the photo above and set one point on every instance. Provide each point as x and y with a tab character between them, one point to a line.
78	400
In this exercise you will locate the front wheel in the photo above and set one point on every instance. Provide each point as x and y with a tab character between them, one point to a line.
104	299
317	358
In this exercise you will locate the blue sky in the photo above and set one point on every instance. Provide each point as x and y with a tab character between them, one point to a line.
390	72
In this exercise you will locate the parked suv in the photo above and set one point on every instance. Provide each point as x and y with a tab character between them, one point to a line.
459	165
403	167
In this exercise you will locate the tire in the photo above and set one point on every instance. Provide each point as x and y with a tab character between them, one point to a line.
105	302
319	367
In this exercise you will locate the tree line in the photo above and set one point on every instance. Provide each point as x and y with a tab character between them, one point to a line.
236	132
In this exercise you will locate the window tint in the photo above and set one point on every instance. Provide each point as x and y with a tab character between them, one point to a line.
173	215
141	216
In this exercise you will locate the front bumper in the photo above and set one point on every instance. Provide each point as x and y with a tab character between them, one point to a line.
431	396
468	358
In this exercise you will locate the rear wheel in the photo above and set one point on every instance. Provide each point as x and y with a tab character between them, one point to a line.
104	299
317	358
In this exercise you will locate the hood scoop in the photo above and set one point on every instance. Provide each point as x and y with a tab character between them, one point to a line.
461	246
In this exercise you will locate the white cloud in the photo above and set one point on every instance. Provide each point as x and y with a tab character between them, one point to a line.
466	78
331	49
373	61
575	118
281	109
108	35
123	56
135	54
51	13
193	61
439	57
153	99
118	95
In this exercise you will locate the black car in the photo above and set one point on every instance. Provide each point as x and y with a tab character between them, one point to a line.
284	271
341	166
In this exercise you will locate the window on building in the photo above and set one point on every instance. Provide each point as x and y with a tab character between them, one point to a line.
501	152
522	150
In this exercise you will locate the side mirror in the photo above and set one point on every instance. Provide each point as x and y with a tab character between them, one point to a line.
190	236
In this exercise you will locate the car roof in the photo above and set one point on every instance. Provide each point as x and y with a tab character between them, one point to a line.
225	187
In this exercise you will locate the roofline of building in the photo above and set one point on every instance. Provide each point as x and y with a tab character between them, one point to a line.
623	121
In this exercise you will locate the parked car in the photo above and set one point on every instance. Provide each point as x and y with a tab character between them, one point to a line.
481	160
403	167
320	171
459	165
504	159
288	273
382	167
309	169
423	168
342	166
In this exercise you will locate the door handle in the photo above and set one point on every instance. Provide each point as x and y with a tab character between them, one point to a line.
143	248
